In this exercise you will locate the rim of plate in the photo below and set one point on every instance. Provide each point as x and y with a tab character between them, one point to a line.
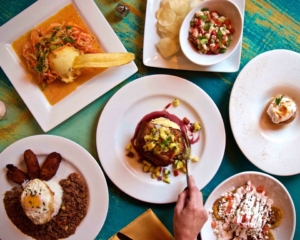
80	159
212	197
124	110
260	62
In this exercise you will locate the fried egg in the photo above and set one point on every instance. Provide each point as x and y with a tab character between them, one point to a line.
41	200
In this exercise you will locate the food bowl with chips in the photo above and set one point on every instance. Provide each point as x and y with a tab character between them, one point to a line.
262	184
210	32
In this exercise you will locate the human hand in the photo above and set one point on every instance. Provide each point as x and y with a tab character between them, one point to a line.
189	214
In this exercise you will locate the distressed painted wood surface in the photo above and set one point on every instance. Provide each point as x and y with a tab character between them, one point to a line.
269	24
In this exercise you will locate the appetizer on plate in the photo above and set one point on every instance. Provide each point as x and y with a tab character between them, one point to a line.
282	109
45	207
245	212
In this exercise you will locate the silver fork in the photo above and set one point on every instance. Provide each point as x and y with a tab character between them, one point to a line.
186	154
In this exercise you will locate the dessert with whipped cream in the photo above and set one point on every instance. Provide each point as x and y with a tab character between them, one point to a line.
282	109
245	213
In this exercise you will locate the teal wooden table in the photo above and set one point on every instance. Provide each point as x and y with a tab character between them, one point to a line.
269	24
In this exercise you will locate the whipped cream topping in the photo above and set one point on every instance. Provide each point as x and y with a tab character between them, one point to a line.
282	111
244	212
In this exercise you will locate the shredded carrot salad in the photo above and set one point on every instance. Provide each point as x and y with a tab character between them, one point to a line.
44	40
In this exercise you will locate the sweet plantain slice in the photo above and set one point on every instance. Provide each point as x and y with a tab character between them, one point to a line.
15	174
50	166
216	209
32	164
276	217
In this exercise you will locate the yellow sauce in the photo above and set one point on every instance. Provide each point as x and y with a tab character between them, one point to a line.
57	90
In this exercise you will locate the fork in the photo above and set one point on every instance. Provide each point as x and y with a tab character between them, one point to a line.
186	154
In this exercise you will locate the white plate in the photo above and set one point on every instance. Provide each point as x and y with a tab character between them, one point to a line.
275	190
126	108
272	148
75	159
152	58
46	115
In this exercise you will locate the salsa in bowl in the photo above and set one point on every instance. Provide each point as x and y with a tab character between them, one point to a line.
211	32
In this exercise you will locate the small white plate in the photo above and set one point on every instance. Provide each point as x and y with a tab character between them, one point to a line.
74	159
272	148
46	115
126	108
152	58
275	190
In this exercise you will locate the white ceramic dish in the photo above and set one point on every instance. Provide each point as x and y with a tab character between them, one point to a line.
75	159
46	115
224	8
152	58
275	190
272	148
126	108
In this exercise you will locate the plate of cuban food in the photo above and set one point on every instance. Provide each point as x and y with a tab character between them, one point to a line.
250	205
144	131
263	110
48	190
62	57
161	40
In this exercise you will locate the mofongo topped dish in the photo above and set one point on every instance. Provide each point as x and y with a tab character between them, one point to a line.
89	86
118	122
212	27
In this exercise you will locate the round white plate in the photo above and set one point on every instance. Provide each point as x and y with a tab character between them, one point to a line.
126	108
275	191
74	159
272	148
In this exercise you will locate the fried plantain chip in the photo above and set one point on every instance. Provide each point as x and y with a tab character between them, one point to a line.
32	164
15	174
103	60
50	166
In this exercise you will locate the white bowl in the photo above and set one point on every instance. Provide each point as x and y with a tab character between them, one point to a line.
223	7
275	190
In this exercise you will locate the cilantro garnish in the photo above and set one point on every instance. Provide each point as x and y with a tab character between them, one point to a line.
278	100
69	39
166	142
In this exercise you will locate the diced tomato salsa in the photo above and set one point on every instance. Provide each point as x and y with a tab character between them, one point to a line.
210	32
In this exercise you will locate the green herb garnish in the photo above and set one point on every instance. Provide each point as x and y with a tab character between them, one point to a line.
206	26
204	9
203	17
166	142
69	39
219	34
278	100
68	27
